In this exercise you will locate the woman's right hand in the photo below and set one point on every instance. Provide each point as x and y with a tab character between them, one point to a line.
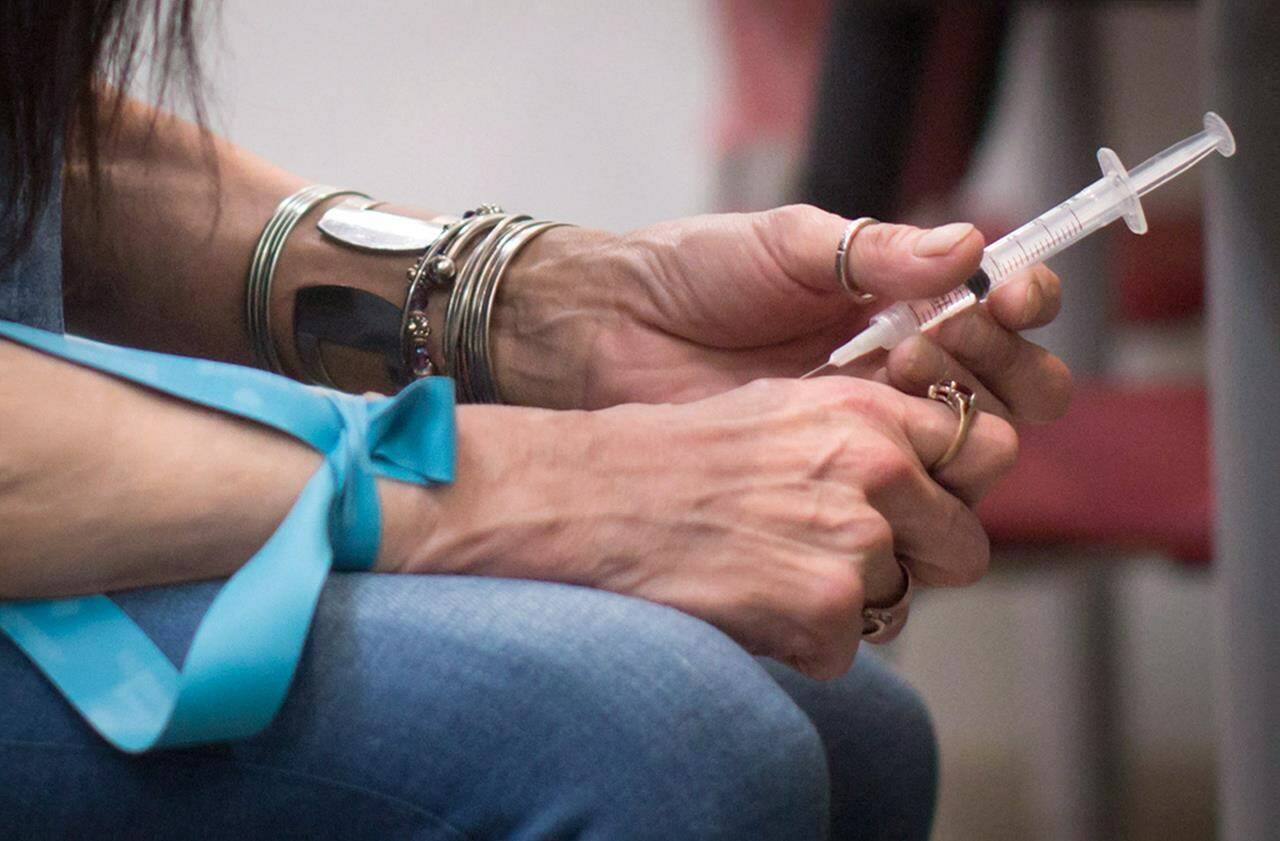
773	511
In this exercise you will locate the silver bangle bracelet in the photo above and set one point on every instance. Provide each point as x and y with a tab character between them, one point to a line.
463	301
262	267
468	344
470	254
436	268
480	340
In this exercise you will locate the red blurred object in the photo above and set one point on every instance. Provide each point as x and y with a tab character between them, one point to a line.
772	50
1127	468
1161	274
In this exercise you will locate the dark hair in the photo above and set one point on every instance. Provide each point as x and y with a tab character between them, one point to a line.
63	67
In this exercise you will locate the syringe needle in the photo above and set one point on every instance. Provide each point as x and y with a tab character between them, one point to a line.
816	371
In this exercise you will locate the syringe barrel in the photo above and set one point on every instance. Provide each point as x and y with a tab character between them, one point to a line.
1099	204
1114	195
936	310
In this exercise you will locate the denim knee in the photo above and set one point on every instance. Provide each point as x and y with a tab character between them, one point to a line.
881	748
457	708
691	737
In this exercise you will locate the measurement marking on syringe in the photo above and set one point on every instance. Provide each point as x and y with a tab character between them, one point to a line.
1079	224
1042	245
1018	242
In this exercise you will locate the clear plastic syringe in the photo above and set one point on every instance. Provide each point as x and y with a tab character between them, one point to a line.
1112	196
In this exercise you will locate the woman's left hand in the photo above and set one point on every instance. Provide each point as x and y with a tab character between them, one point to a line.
685	309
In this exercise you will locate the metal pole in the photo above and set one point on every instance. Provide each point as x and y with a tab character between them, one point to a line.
1243	226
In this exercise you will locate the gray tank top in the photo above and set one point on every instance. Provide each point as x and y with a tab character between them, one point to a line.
31	286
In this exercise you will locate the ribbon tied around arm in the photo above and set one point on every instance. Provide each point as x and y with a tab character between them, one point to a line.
245	651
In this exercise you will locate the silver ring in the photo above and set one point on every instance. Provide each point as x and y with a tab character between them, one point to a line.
881	624
842	260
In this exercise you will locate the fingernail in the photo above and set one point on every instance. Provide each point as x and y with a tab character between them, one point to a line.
938	241
1035	298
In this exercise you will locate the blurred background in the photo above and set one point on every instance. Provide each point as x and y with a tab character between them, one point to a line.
1072	689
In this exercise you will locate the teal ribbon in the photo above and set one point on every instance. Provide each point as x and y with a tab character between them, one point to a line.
245	651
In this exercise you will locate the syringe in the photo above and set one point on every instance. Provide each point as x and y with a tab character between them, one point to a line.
1113	195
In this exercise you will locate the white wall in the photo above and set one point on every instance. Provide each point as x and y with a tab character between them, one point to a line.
591	112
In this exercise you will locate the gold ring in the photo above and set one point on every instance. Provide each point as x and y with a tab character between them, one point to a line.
842	260
961	401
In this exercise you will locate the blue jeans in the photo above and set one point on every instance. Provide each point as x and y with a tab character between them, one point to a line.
450	707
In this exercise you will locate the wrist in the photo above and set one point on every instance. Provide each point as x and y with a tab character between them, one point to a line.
505	512
563	296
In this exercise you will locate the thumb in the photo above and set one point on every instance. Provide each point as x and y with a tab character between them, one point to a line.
901	261
893	262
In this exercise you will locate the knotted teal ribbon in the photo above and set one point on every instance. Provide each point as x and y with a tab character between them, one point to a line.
246	649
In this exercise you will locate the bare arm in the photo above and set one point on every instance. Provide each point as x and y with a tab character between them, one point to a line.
106	485
161	262
775	513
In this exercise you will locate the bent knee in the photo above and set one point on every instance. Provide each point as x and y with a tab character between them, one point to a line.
685	721
586	713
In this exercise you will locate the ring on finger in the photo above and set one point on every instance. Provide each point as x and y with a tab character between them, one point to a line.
880	624
842	260
961	400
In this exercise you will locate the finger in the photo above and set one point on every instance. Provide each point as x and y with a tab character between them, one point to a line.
1034	384
832	616
932	529
939	537
899	262
1030	298
987	453
892	261
918	363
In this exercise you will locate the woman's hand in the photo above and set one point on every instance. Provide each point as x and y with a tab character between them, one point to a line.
685	309
773	511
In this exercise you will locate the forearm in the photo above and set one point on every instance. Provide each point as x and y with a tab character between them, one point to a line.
161	263
106	485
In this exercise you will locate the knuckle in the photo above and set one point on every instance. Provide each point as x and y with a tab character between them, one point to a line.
837	595
805	647
787	237
797	213
986	343
864	397
784	223
823	660
888	466
920	364
875	535
768	386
